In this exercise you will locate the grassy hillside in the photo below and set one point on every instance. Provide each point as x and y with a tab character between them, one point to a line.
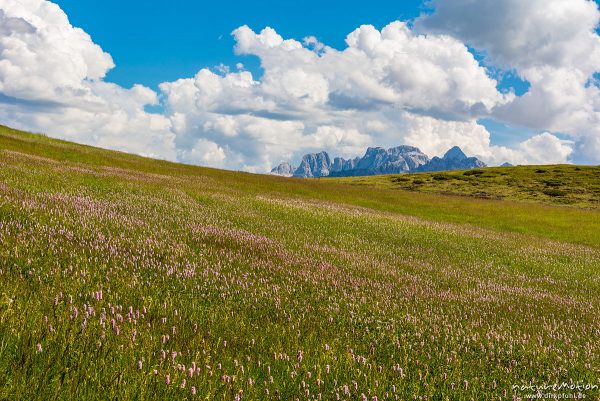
559	184
129	278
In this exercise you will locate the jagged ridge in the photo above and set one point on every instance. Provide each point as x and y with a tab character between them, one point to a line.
377	160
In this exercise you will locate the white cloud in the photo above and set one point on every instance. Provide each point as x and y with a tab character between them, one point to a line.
435	137
522	34
51	81
346	142
43	55
552	44
546	148
429	74
313	97
204	152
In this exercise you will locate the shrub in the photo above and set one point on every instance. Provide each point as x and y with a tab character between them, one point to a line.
554	192
418	182
441	177
473	172
553	183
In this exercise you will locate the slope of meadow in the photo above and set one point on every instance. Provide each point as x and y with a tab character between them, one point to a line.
577	186
129	278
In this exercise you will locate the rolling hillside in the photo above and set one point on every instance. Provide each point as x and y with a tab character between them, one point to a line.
577	186
123	277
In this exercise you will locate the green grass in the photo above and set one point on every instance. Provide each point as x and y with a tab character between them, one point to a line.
276	288
577	186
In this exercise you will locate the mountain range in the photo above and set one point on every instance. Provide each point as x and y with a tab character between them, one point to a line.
377	160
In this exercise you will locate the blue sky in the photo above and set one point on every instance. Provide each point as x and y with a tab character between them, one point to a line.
152	42
155	41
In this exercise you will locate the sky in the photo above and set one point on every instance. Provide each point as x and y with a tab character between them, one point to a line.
251	84
152	42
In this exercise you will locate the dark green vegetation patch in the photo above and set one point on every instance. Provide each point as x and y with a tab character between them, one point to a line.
577	186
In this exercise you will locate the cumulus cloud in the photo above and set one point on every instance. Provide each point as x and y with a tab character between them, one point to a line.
439	135
431	74
51	80
552	44
398	85
546	148
522	34
314	97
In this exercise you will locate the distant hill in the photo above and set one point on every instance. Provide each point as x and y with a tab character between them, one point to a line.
559	184
377	161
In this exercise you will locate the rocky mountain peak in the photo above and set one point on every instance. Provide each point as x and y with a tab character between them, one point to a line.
314	165
455	153
284	169
377	160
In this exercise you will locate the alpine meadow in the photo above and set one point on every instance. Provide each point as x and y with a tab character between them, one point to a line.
124	277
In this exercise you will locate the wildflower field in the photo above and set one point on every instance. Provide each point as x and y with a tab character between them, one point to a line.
130	278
